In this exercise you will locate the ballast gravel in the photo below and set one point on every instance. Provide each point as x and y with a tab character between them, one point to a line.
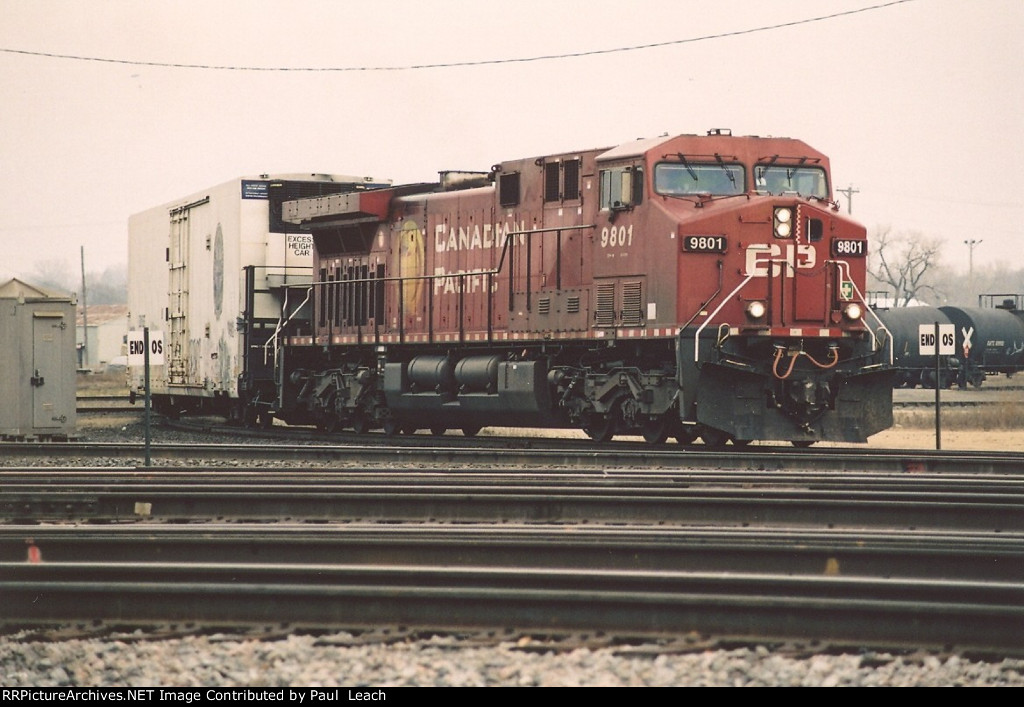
309	661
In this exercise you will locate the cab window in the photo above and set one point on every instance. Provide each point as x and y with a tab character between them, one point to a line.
681	179
621	187
782	179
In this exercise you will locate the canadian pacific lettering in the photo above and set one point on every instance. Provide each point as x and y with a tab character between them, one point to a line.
450	238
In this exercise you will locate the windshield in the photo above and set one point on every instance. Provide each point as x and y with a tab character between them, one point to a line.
673	179
782	179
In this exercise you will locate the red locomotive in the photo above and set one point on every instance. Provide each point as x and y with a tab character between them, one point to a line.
689	286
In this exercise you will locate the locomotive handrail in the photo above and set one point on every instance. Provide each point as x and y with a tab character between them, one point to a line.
558	256
706	302
845	266
281	323
696	337
489	274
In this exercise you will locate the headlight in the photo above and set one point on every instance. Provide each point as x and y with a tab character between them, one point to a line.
756	310
852	311
783	222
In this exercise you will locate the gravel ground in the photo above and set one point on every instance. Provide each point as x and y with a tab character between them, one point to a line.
446	661
225	661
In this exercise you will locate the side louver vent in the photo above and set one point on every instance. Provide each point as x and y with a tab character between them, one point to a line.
604	315
631	313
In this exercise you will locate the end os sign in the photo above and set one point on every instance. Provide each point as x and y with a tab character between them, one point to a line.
137	348
926	339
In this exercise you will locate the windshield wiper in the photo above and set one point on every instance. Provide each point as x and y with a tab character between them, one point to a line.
688	167
728	172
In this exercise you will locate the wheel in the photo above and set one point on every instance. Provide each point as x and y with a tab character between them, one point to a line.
438	431
471	430
655	431
713	437
409	430
391	427
802	443
360	423
329	425
686	434
265	420
741	442
600	428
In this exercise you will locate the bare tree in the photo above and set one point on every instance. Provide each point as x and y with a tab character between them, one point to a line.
902	262
107	287
53	273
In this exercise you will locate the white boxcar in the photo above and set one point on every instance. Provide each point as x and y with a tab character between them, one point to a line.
210	271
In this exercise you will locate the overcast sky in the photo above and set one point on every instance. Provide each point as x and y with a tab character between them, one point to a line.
110	108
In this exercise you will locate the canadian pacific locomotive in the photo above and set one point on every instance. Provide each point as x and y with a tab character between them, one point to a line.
690	286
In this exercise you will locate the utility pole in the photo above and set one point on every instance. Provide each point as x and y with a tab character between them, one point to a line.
970	265
849	192
85	317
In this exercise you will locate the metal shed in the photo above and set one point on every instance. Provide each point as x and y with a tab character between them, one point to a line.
37	362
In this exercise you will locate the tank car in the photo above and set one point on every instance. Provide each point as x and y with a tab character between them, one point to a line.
689	286
903	325
211	271
989	340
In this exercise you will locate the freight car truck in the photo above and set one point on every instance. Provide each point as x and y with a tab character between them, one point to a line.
212	271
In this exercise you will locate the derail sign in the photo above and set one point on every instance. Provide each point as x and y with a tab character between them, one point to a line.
137	348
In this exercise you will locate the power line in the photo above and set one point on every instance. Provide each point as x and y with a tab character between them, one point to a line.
483	62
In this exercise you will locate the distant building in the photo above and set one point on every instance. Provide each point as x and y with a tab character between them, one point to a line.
883	300
102	328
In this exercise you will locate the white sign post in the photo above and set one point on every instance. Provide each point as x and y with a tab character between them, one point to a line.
937	340
146	348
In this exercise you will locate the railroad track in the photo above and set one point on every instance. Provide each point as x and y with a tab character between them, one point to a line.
96	403
456	453
837	548
943	501
776	576
902	399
